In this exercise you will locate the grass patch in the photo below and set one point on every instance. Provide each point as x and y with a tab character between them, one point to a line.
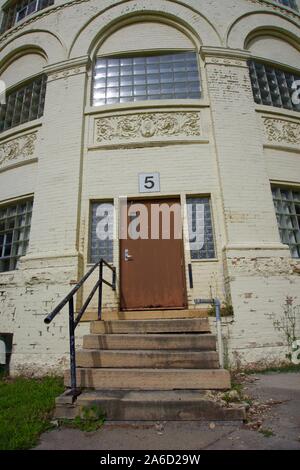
92	418
25	410
266	432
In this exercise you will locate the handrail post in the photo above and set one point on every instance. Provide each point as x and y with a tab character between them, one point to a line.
219	331
72	349
114	274
100	290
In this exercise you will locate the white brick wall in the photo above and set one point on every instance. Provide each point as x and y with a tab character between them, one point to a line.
230	161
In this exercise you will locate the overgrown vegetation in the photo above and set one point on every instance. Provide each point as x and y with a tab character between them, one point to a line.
92	418
226	310
266	432
26	406
288	325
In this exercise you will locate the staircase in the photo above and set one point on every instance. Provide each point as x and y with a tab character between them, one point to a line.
149	370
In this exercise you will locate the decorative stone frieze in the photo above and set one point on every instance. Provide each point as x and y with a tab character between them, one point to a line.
282	131
18	149
229	62
146	126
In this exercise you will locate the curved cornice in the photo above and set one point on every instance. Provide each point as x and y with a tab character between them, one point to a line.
269	7
286	36
260	13
35	38
277	7
164	13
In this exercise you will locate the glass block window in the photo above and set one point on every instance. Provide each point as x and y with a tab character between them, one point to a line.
101	232
288	3
15	223
200	228
272	86
17	10
287	206
156	77
23	104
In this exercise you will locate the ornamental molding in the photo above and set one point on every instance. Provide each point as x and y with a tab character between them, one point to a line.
147	126
19	149
53	9
282	131
40	14
69	72
226	61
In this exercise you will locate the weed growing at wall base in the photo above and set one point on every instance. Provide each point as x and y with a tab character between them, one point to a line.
288	325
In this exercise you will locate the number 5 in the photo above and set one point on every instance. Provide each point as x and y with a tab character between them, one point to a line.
149	183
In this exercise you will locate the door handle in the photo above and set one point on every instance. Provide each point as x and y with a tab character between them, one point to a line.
127	256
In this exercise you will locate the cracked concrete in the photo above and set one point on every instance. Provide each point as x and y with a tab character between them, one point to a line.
280	421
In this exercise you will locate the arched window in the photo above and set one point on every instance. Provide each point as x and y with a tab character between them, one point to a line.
273	72
146	61
17	10
273	86
23	101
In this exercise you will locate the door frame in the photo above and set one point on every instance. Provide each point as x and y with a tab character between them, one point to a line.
150	198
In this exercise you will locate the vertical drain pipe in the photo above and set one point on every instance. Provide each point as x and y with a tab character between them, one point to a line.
219	332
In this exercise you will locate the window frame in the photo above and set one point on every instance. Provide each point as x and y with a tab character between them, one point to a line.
211	206
10	12
292	189
19	88
90	226
286	69
145	54
14	258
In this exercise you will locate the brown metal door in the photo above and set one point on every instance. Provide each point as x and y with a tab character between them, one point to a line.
152	268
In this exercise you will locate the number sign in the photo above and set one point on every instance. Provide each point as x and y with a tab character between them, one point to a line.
149	182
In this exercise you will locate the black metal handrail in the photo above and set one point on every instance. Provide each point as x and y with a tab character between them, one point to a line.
69	299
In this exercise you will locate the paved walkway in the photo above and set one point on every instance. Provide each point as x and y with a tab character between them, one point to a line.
276	412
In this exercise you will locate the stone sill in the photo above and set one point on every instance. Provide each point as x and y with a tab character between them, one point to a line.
267	110
145	106
199	261
18	131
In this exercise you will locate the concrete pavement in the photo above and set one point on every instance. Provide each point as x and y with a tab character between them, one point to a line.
275	414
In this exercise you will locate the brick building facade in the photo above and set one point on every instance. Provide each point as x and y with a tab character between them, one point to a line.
113	92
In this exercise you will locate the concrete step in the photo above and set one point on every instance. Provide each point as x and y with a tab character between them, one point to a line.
199	325
151	379
147	359
128	405
201	342
92	315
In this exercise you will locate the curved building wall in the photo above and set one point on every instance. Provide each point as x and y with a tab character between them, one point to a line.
72	150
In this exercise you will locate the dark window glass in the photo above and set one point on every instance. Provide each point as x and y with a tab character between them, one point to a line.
200	228
15	221
166	76
287	207
23	104
18	10
273	87
288	3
